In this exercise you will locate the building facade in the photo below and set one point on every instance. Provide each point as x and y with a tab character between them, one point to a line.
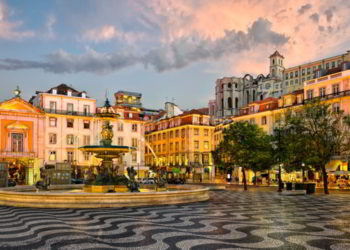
22	143
333	89
181	144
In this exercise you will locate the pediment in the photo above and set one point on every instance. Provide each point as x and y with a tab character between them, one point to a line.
18	105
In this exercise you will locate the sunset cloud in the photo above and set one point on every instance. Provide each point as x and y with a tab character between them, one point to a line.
178	54
10	30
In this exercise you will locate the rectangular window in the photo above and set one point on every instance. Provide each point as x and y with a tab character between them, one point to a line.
120	141
52	138
159	137
154	137
177	133
120	126
333	64
183	133
70	123
53	106
134	157
134	142
134	128
196	144
70	108
263	120
53	122
182	145
206	145
86	124
70	139
286	75
159	148
70	156
171	134
52	156
86	110
171	146
327	65
86	140
303	72
177	146
322	92
308	70
336	107
86	156
206	132
335	89
164	148
196	131
296	73
291	74
310	94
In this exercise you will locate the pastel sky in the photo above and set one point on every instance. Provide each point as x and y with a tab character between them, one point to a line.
165	49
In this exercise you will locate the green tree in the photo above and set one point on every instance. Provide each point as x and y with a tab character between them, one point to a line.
247	146
317	134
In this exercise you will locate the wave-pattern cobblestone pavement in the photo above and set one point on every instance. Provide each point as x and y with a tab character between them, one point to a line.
229	220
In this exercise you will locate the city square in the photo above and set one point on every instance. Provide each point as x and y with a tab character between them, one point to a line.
175	124
231	219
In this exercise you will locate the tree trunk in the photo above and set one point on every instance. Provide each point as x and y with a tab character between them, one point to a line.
268	177
303	175
325	179
255	181
279	178
244	180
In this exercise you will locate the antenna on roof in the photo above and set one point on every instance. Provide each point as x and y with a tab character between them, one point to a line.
106	94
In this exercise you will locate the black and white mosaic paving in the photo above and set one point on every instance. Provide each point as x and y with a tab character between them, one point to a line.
229	220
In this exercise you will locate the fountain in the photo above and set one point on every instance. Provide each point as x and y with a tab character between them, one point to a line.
107	178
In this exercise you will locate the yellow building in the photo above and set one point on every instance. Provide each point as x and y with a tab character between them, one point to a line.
181	144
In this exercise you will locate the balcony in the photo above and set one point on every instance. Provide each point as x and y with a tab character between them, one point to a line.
17	154
66	112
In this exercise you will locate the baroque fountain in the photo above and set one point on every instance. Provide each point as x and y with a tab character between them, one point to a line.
104	186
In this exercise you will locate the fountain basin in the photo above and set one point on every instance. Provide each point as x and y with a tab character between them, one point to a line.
62	196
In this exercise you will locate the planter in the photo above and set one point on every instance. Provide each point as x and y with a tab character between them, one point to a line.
161	189
87	188
289	186
299	186
310	188
121	188
102	188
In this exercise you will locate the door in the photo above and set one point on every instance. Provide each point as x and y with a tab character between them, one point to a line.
17	142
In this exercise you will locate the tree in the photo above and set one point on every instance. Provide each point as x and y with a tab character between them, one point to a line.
247	146
319	134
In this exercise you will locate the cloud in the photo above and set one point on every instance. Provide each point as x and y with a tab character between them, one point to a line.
9	30
329	13
315	17
51	21
304	8
109	32
177	54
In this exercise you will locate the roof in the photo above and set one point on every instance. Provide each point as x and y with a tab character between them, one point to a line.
201	111
270	99
129	93
63	89
276	53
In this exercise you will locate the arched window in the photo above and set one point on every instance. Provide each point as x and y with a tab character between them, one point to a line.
273	61
229	85
236	102
229	102
261	97
253	95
